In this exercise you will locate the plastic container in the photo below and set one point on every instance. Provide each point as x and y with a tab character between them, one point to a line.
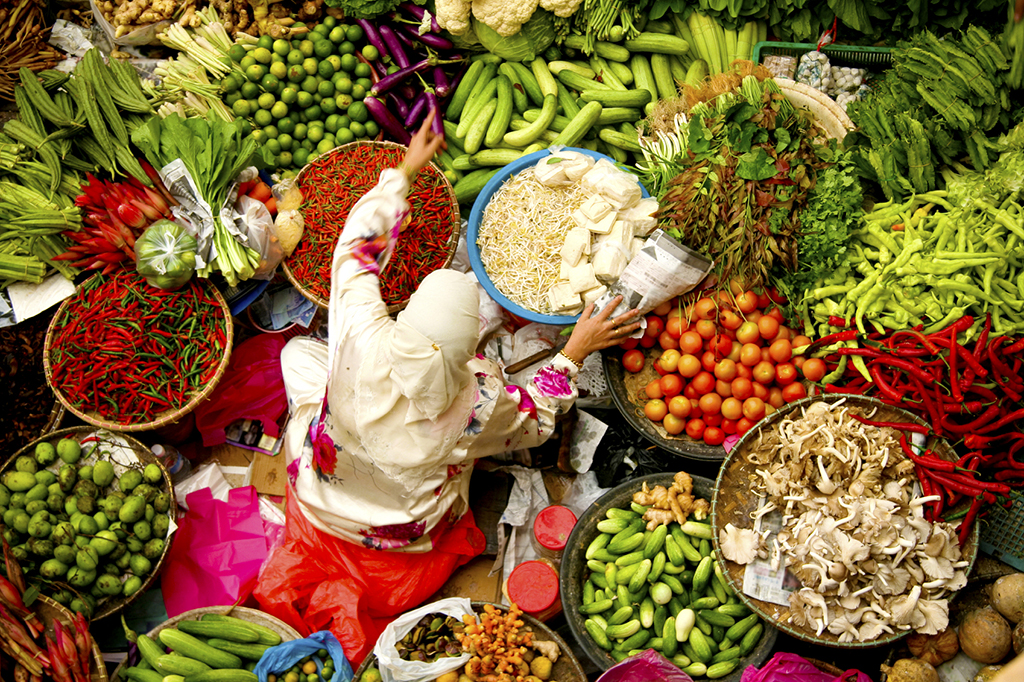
838	55
551	531
533	586
177	465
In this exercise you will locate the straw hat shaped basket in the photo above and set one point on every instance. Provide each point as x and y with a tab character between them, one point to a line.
164	418
324	254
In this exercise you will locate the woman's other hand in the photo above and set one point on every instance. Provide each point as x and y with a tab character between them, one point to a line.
422	147
594	332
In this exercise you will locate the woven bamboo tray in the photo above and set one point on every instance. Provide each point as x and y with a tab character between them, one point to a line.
251	615
165	418
734	501
453	240
115	604
50	611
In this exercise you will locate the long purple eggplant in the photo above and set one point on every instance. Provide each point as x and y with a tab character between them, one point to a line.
401	108
394	45
429	39
442	86
391	126
391	80
416	112
373	37
418	12
437	125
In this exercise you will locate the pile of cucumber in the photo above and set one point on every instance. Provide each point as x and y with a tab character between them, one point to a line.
502	110
215	648
663	590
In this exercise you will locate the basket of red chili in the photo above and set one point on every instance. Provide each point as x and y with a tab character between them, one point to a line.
127	356
333	183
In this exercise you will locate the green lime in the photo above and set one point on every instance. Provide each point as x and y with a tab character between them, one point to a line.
232	97
329	22
325	146
302	118
347	48
343	102
270	131
331	124
362	70
320	30
328	106
343	85
304	99
285	159
309	84
323	48
281	47
295	57
284	141
325	89
325	69
335	62
241	108
348	62
295	43
254	104
228	84
278	110
296	74
307	145
354	33
237	53
358	112
299	157
300	131
295	116
358	129
243	125
344	136
309	65
279	70
259	135
306	47
370	53
315	134
263	118
336	35
247	61
393	68
344	122
262	55
314	113
358	92
317	98
372	129
365	82
290	94
256	72
250	90
266	42
286	125
270	82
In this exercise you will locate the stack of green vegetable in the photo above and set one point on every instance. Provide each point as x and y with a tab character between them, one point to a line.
944	97
215	648
83	535
30	227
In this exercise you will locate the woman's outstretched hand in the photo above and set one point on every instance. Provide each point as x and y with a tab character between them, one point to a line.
594	332
422	147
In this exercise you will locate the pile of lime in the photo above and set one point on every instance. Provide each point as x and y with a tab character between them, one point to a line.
303	97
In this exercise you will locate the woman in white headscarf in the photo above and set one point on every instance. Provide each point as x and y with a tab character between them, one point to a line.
386	421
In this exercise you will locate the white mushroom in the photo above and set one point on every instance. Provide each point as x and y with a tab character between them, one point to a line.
931	616
842	627
903	607
738	544
937	567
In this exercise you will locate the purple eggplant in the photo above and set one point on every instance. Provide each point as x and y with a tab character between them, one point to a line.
429	39
395	48
406	91
417	13
437	125
442	86
401	108
391	126
416	112
373	37
398	77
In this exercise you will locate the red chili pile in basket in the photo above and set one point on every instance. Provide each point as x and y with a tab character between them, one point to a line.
129	352
332	185
969	393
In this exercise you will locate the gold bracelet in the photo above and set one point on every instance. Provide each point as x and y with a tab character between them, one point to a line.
579	365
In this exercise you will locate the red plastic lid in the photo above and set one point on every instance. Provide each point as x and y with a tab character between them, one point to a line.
552	527
533	586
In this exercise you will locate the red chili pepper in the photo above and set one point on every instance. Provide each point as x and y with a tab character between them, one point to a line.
1015	347
968	522
961	325
926	462
846	335
987	416
1009	474
979	345
834	321
1006	420
965	484
899	426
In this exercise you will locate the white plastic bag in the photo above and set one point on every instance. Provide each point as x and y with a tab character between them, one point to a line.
253	219
395	669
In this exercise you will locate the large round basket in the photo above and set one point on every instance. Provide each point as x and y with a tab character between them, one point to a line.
565	669
734	500
574	568
144	456
50	612
166	417
324	254
242	613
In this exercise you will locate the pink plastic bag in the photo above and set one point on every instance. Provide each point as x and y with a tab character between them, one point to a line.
785	667
649	666
252	388
217	554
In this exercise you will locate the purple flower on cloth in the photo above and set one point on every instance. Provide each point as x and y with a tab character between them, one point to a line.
553	382
325	455
391	537
293	472
526	403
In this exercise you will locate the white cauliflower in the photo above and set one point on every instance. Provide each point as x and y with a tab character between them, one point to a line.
453	15
503	16
560	8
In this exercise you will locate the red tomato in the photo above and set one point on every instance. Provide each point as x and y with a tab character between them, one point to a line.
663	309
703	383
658	368
706	329
734	351
794	391
785	373
653	389
743	425
674	327
750	354
705	308
690	392
742	388
768	409
744	372
712	419
669	360
648	341
730	320
748	332
673	424
710	403
714	435
633	360
708	361
746	302
629	344
768	327
799	361
784	333
723	388
775	397
781	350
679	406
764	372
655	326
775	296
695	428
677	312
753	408
666	341
732	408
755	316
688	366
690	342
725	370
728	426
800	340
671	385
720	344
763	300
760	390
766	355
724	299
655	410
814	369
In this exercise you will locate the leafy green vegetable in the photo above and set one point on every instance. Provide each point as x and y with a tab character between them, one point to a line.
364	9
535	36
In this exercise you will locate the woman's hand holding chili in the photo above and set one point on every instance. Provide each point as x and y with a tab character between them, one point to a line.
422	147
594	332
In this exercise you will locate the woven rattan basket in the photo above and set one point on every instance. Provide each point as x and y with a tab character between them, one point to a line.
50	611
453	240
164	418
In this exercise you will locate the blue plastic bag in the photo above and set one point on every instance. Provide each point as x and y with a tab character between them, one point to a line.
283	656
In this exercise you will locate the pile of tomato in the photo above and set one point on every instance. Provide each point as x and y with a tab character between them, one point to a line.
725	360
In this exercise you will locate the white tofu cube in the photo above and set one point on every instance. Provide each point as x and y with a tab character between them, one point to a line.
635	246
621	190
580	218
562	298
604	226
563	271
596	208
577	243
591	295
641	216
609	262
581	278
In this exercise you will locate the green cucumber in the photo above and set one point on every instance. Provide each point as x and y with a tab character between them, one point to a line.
502	115
267	636
252	652
461	94
190	646
521	138
236	632
617	98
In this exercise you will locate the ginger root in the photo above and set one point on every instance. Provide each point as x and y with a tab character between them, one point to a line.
674	503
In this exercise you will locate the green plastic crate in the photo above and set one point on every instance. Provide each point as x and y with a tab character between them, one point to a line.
838	55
